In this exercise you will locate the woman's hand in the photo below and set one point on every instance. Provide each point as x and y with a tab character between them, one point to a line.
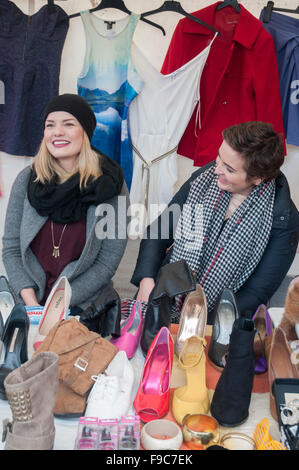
145	287
29	297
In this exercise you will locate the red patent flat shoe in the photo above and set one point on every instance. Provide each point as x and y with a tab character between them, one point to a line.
152	399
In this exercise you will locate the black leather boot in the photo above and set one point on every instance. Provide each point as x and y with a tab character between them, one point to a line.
103	316
231	399
173	279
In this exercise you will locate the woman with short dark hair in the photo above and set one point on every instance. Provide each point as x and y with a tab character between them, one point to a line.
245	235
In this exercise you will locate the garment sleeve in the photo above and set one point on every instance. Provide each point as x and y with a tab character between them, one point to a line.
272	268
100	273
159	236
266	84
11	243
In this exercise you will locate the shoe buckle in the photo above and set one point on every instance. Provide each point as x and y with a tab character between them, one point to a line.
81	364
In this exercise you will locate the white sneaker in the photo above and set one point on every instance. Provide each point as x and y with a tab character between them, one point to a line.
111	395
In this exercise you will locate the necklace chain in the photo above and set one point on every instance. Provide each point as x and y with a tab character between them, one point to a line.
56	248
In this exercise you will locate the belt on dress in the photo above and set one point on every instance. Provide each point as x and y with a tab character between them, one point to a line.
147	166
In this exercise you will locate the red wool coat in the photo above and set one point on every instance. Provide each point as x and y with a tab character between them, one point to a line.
240	80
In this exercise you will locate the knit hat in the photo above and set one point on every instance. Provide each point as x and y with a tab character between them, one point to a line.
77	107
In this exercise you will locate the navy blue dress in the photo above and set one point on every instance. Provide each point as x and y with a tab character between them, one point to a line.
31	48
285	32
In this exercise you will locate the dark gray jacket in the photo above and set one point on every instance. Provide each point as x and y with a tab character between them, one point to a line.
272	268
87	275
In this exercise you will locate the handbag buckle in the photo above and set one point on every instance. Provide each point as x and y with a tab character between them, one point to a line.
81	364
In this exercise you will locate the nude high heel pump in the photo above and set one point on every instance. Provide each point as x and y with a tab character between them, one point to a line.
193	319
55	309
192	398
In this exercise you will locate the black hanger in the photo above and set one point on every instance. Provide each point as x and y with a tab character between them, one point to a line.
171	5
229	3
270	7
118	5
51	6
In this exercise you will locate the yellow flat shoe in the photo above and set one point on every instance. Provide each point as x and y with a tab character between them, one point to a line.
192	398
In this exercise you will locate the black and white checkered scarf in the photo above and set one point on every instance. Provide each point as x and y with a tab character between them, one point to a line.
222	256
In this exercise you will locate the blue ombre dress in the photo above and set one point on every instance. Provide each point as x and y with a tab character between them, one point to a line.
109	82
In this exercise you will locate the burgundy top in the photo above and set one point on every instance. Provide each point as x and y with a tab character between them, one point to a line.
70	249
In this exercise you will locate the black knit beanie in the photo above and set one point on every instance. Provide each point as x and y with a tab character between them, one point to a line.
78	107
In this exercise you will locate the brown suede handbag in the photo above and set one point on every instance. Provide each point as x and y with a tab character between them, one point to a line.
82	354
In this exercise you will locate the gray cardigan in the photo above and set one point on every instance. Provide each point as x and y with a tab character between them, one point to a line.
87	275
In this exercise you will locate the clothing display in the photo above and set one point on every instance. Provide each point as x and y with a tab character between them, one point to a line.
109	82
285	33
158	117
239	82
93	357
31	48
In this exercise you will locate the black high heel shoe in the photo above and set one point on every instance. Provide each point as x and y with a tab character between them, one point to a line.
173	279
225	313
7	299
103	316
15	344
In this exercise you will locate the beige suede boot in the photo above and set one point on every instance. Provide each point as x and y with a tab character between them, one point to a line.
31	391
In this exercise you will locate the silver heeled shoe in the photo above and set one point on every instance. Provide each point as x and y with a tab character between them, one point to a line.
193	319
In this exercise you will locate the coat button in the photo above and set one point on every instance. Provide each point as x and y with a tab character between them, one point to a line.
224	102
282	217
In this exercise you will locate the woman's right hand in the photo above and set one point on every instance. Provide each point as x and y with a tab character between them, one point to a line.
145	288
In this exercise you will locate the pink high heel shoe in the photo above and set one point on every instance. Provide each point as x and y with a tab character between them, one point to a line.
55	309
152	398
130	333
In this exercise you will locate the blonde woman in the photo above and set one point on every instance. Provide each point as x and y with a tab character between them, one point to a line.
50	229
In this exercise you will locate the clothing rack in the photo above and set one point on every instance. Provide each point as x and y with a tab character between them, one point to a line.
270	7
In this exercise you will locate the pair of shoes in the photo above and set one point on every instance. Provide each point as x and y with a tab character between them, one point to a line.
31	390
111	395
14	340
152	398
173	279
55	309
131	329
103	316
192	398
193	318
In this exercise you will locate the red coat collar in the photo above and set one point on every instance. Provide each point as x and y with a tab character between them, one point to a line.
246	32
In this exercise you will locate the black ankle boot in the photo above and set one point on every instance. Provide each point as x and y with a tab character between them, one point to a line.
231	399
103	316
173	279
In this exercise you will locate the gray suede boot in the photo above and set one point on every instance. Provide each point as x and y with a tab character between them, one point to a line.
31	391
